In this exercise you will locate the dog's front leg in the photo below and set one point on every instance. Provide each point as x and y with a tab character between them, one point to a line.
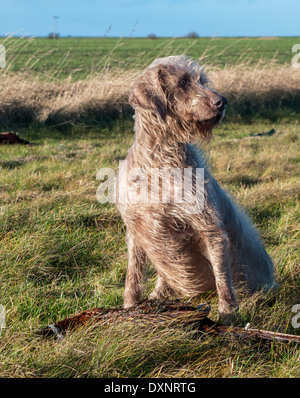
217	246
135	269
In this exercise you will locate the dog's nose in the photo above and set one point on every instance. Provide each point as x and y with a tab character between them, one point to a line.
219	102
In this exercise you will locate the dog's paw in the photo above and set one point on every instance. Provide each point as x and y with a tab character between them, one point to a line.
228	317
129	302
154	295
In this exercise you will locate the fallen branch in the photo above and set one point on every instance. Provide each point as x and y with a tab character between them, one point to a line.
162	312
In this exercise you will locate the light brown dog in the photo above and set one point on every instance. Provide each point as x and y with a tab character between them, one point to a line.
214	248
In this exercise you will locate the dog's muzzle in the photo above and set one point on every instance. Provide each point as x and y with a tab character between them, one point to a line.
219	103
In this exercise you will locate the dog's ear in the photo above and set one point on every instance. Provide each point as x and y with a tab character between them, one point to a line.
148	94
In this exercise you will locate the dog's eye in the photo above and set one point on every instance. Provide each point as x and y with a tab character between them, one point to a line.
182	83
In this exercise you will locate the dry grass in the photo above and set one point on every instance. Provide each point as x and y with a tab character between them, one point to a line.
261	90
27	98
251	91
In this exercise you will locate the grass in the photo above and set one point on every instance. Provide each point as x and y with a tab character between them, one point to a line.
62	252
77	58
68	81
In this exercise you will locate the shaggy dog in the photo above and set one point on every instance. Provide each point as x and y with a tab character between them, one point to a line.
202	241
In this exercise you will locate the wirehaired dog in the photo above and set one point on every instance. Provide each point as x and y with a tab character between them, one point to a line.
215	248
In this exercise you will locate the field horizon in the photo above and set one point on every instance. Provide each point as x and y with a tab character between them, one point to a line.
63	252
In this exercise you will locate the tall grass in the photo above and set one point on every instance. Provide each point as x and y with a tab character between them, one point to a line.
27	96
252	92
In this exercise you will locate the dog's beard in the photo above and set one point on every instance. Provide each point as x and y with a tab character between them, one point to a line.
220	117
204	128
189	130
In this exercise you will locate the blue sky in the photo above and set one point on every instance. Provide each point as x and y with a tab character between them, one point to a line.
137	18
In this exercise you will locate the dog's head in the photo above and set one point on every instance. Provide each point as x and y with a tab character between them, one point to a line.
177	89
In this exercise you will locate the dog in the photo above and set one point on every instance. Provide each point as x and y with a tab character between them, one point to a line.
216	248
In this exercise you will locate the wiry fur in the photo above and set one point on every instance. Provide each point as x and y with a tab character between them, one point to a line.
214	249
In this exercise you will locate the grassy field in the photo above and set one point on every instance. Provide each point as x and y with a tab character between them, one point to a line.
62	252
78	58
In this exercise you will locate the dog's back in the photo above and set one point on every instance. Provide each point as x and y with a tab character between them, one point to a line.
250	261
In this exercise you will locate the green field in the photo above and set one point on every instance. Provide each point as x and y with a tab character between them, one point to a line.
62	252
